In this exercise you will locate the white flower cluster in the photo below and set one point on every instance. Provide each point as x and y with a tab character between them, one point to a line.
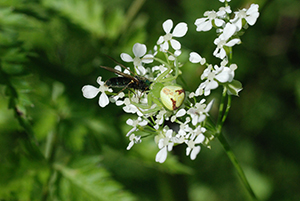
228	28
183	121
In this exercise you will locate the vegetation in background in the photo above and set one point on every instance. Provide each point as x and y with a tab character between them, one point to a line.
56	145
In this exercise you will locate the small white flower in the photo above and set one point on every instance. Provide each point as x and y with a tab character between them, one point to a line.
213	76
130	108
196	58
90	92
197	137
209	84
205	24
133	140
222	40
139	50
184	128
200	111
223	11
192	150
160	68
160	117
249	15
174	56
179	31
135	123
164	144
115	99
179	113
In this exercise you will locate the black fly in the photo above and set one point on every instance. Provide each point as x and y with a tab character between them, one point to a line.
127	81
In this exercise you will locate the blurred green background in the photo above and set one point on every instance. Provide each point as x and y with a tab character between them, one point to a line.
57	145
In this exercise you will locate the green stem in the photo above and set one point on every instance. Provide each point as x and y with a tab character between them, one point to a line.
221	119
131	13
221	116
237	166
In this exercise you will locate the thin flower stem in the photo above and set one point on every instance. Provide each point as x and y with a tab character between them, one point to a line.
237	166
228	105
131	13
221	117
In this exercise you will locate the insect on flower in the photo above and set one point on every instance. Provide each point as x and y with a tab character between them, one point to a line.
172	97
127	81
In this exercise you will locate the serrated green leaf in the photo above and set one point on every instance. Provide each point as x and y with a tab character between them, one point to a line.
92	181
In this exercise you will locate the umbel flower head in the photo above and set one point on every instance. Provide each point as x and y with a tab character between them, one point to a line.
163	108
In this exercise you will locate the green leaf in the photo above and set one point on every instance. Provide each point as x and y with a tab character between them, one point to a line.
234	87
91	181
87	14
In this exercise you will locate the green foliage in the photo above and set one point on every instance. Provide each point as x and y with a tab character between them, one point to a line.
56	145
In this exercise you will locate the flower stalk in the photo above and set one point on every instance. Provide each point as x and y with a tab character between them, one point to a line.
236	165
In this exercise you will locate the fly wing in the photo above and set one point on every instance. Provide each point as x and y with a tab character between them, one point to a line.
120	64
120	73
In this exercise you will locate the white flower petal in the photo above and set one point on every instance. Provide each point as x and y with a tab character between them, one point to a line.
200	21
238	23
224	76
131	143
175	44
233	42
206	93
139	49
219	22
141	70
177	53
228	31
195	57
212	85
201	118
252	18
205	26
126	57
181	112
180	29
160	40
129	122
99	81
148	58
194	119
161	156
195	152
143	123
117	67
209	106
165	46
90	91
119	102
103	100
131	131
199	139
167	25
188	150
253	10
